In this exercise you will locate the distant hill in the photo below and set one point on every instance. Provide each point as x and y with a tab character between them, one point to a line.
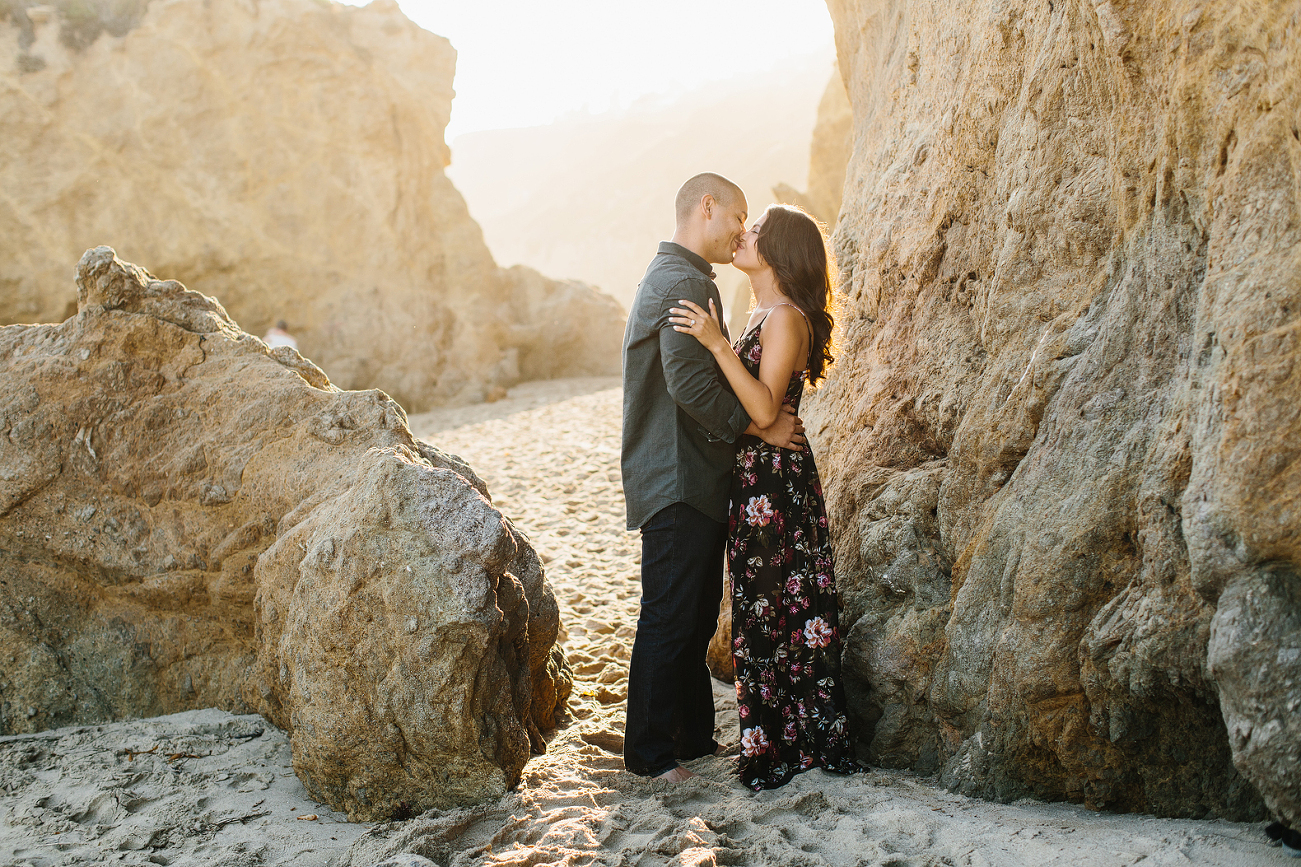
589	197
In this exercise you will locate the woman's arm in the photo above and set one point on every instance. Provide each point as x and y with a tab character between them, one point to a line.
782	339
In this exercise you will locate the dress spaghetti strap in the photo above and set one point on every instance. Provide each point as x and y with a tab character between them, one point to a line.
808	325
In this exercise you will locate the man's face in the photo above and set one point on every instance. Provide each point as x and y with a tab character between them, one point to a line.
724	227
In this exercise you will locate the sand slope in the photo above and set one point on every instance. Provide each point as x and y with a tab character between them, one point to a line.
551	460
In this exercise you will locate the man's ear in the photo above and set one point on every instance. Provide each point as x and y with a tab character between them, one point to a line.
707	205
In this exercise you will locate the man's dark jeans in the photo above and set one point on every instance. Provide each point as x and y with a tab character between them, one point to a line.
670	698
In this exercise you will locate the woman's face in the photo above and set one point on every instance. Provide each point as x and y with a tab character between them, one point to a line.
747	256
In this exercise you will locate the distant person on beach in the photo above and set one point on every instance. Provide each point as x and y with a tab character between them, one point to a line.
279	336
680	427
785	614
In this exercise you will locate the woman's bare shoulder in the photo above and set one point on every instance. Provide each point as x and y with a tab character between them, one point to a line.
786	320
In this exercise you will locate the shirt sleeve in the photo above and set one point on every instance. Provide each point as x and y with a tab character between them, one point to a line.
691	374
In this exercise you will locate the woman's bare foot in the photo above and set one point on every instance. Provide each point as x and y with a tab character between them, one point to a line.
675	775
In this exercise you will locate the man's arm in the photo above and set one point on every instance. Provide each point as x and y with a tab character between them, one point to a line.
786	432
691	375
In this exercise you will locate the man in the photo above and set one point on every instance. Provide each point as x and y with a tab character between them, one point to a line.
680	426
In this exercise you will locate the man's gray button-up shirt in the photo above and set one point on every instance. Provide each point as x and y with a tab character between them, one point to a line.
680	418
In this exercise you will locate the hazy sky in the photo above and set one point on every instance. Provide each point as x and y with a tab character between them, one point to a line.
526	62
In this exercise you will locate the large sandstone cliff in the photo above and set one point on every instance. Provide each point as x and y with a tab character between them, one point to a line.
287	157
189	520
1061	442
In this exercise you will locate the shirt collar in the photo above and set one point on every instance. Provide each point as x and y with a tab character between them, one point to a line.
698	262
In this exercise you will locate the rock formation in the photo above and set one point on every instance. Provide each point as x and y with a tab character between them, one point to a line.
719	655
188	520
285	156
828	156
1060	444
563	327
1255	658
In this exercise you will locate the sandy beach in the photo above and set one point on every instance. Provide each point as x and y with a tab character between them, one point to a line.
211	788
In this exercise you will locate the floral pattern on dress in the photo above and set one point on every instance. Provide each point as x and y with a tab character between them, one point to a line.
785	614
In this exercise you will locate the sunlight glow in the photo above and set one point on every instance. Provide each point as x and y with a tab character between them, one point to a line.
524	63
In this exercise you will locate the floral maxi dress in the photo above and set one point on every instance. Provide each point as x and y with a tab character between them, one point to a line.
785	621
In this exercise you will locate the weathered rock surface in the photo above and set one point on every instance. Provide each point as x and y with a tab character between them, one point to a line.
1255	657
719	654
566	327
285	156
828	156
188	520
1060	445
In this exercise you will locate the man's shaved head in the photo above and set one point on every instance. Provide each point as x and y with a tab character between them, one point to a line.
705	184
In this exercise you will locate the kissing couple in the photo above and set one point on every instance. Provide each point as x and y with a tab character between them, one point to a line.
715	464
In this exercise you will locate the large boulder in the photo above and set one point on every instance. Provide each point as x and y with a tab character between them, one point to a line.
565	327
189	519
287	157
1060	444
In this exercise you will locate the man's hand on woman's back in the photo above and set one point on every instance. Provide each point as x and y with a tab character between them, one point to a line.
786	432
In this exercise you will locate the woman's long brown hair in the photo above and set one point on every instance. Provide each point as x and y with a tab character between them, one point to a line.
791	241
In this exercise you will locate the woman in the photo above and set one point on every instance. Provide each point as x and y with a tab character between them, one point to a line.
785	632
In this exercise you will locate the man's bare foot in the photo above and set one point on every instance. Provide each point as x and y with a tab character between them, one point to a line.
675	775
